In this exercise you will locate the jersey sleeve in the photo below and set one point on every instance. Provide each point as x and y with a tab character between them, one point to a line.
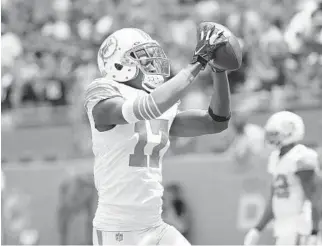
99	90
309	161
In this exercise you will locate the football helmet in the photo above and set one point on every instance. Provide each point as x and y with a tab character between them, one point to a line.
284	128
129	50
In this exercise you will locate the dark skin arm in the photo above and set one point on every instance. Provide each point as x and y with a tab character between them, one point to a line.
308	180
198	122
268	213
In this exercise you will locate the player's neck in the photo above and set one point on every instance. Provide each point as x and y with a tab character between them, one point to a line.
286	149
137	81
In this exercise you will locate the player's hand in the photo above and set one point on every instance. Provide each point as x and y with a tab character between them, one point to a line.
209	39
214	68
252	237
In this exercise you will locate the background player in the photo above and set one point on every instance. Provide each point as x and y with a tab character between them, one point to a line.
132	112
293	193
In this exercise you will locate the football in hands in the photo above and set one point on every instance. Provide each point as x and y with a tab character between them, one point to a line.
228	56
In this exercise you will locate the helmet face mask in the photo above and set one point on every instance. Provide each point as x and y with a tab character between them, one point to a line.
127	52
274	138
150	58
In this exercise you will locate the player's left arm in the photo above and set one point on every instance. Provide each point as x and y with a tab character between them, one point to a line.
197	122
309	180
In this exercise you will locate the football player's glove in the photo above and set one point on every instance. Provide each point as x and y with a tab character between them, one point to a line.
209	39
215	69
252	237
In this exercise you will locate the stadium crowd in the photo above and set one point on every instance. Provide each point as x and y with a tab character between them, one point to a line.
49	53
49	49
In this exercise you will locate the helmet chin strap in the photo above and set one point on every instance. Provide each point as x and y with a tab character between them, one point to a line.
279	145
275	145
150	82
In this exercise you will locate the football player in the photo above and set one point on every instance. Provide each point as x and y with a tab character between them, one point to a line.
132	112
294	169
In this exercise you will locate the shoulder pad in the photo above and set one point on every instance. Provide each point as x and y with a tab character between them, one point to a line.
308	160
101	89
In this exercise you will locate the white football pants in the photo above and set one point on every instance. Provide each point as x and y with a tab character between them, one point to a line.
160	235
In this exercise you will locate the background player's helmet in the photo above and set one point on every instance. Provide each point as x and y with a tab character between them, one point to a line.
284	128
127	51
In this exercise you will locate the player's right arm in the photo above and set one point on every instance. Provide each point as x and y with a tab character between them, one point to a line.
252	236
108	112
110	108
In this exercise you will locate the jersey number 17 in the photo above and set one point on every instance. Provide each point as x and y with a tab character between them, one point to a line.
152	143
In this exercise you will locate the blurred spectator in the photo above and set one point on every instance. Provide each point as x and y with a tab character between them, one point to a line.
77	195
11	48
16	217
316	33
49	51
55	92
6	91
29	237
175	210
57	29
44	45
49	56
3	186
3	181
319	150
300	27
85	28
103	26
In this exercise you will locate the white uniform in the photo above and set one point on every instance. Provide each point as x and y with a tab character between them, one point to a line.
288	202
127	170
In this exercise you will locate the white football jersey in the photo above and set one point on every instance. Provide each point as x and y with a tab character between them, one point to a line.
288	195
128	163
